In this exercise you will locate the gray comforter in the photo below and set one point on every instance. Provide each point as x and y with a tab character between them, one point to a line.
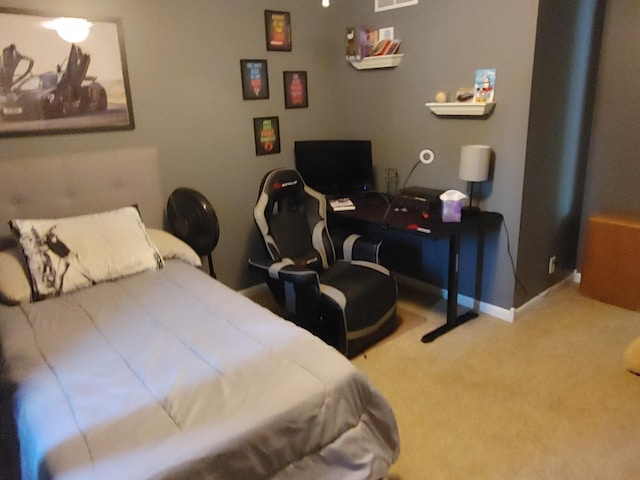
170	374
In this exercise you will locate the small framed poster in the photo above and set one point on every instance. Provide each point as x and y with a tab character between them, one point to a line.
266	131
255	79
295	89
278	30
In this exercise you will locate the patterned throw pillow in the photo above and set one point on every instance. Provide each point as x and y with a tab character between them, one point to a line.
66	254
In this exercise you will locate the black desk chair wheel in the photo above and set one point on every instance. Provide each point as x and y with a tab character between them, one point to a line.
193	220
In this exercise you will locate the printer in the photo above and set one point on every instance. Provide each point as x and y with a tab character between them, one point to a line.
419	199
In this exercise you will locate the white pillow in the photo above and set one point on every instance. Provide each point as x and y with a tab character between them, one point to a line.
14	283
171	246
66	254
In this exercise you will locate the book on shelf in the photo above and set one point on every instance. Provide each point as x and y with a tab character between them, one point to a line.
393	48
386	47
342	204
362	43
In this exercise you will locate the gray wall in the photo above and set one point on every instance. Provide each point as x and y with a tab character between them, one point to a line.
582	136
444	43
613	174
184	73
183	60
558	140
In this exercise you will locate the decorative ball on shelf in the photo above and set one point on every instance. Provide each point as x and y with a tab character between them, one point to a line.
442	97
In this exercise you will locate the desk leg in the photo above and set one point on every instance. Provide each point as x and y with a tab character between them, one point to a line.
453	320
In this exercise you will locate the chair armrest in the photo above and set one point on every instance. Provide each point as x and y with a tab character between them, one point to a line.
295	288
285	270
352	246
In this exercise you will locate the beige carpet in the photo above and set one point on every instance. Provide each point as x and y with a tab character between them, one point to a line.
546	397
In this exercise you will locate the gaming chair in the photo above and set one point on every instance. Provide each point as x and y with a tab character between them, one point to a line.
349	302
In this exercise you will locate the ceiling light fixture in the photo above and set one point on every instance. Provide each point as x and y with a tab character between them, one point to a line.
325	3
72	30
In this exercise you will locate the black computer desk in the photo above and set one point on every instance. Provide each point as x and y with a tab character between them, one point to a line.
377	209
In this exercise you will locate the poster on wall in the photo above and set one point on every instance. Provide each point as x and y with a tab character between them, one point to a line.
295	89
62	74
278	30
266	132
255	79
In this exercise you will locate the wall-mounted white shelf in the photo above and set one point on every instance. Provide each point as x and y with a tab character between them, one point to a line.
461	108
381	61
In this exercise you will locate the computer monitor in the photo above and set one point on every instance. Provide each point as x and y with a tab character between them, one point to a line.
335	167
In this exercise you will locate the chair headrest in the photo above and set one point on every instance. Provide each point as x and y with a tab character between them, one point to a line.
283	182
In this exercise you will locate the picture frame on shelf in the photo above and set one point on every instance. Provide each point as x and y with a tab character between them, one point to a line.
54	83
255	79
485	85
277	30
295	89
266	131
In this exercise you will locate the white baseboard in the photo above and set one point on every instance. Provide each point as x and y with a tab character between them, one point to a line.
574	277
502	313
260	290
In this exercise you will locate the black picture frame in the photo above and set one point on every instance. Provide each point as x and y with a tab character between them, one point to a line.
44	87
295	89
277	27
266	131
255	79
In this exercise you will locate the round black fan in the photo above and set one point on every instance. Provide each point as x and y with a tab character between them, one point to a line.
192	219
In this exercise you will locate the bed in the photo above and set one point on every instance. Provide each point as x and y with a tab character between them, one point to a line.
155	371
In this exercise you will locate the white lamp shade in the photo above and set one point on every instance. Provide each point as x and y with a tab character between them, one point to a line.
474	162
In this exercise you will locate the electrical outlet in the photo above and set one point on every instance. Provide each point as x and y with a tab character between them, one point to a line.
552	265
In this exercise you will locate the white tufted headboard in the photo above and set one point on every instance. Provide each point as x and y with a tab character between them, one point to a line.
78	183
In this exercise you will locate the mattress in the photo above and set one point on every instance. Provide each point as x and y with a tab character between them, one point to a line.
169	374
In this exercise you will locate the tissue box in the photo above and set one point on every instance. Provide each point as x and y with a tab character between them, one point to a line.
451	210
452	205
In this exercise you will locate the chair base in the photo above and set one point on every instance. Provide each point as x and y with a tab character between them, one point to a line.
357	346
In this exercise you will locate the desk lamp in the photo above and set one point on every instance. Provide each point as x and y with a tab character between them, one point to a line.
474	167
425	157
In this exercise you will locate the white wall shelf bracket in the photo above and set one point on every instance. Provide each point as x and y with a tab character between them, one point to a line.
382	61
461	109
